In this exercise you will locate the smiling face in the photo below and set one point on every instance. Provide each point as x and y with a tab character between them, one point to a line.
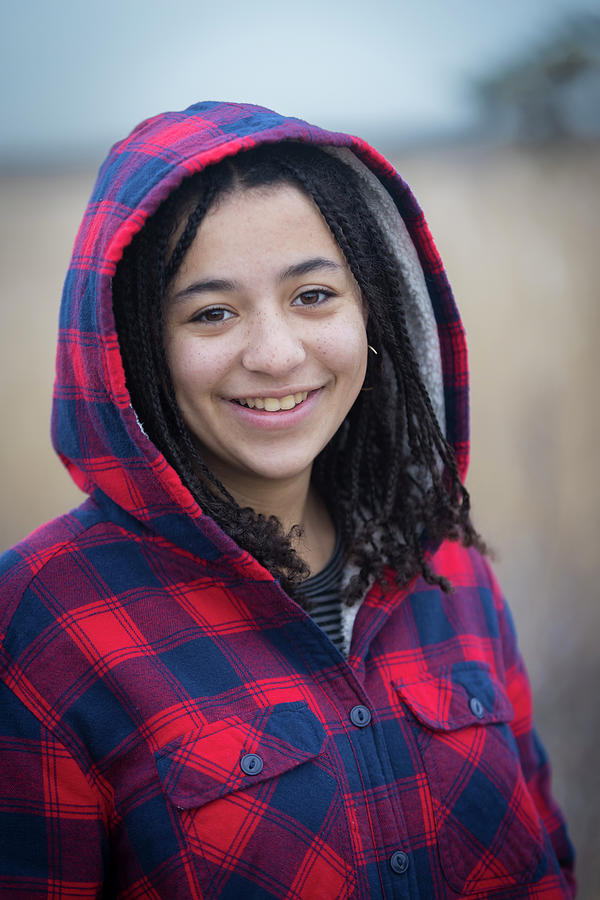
265	337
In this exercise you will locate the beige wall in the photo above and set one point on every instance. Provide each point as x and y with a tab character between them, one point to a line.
519	232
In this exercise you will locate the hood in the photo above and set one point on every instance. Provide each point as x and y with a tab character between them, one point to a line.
94	428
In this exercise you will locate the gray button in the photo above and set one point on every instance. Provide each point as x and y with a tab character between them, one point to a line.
251	764
477	707
399	861
360	716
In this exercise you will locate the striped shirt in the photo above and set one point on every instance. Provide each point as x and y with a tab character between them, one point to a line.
323	593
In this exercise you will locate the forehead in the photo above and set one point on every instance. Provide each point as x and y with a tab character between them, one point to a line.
262	223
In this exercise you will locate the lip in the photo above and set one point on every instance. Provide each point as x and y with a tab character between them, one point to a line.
283	418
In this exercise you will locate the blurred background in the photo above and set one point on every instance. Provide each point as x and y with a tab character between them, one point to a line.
491	112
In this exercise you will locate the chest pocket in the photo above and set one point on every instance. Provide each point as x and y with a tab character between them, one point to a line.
259	805
489	834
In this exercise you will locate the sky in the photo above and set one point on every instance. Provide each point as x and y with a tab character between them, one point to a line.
77	75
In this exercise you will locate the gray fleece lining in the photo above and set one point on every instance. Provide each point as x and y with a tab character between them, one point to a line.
420	318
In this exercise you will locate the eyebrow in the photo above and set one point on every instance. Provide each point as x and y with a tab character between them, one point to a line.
208	285
310	265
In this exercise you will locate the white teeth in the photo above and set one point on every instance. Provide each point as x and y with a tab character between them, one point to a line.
273	404
287	402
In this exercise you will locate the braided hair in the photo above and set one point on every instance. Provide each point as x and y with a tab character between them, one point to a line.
388	476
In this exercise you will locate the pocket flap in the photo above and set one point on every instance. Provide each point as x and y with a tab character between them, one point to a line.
207	763
463	694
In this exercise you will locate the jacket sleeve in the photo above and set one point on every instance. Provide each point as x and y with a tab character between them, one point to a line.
53	839
534	761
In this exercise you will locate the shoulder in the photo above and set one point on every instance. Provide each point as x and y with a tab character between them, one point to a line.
21	564
474	620
465	567
56	569
57	593
473	580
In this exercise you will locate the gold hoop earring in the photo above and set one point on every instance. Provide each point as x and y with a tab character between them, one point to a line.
365	389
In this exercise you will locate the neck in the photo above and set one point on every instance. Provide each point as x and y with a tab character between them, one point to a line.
293	502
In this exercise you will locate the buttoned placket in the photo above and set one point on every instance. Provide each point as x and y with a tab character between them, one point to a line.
373	768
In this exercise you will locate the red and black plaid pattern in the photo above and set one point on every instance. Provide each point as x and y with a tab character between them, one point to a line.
172	725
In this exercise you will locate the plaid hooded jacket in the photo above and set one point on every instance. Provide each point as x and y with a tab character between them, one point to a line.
172	724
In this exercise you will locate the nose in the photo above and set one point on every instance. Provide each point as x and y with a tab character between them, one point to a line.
273	346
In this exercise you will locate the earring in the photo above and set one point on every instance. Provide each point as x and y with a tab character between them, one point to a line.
373	350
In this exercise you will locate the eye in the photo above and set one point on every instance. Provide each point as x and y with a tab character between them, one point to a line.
214	315
312	297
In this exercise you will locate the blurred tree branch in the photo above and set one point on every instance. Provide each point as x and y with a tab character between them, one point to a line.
552	91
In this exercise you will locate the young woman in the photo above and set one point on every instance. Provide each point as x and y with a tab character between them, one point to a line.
267	656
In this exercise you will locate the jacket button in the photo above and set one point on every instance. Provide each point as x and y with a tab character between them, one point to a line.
360	716
251	764
399	861
476	707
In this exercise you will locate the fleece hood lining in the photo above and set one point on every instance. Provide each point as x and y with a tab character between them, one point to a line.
420	318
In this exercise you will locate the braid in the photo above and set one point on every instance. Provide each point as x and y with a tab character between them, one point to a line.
388	476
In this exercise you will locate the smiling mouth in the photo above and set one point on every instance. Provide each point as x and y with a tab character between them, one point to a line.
273	404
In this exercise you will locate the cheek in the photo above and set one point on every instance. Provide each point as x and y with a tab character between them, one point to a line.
344	348
194	365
